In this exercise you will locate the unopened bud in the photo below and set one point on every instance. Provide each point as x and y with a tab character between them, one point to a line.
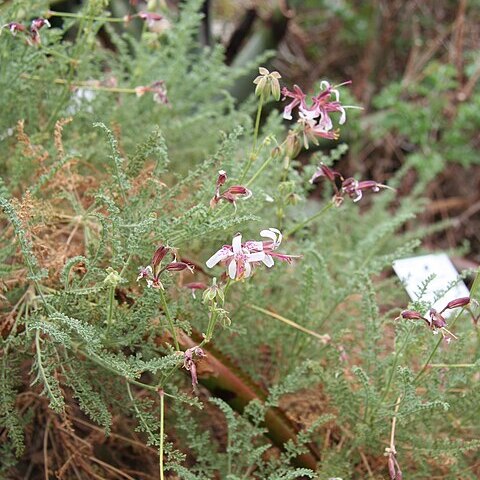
159	255
222	178
267	84
178	267
411	315
292	145
113	278
276	152
458	302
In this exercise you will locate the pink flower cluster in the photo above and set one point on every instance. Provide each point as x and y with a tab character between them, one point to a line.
240	258
33	35
315	118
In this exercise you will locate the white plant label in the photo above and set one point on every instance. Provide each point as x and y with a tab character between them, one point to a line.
414	271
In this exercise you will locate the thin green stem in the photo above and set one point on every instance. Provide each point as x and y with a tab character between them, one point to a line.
111	298
52	13
394	366
260	170
257	124
255	139
86	85
38	353
435	348
169	318
162	421
99	361
453	365
425	366
211	327
309	219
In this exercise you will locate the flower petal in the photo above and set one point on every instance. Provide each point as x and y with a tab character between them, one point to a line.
248	270
222	254
268	261
237	243
255	257
269	234
232	269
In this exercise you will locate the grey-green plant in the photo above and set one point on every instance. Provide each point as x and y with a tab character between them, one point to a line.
87	203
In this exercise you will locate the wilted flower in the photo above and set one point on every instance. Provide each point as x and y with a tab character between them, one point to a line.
155	22
267	83
36	25
393	466
231	194
151	273
14	27
325	171
158	89
189	358
311	131
354	188
351	187
150	17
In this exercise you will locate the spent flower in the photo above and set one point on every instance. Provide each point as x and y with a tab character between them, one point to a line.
231	194
14	27
189	357
35	27
349	186
158	89
151	273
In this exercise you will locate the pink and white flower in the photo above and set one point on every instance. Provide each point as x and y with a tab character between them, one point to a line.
298	99
241	257
237	257
315	118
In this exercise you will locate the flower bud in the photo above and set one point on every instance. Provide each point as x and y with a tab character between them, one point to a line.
276	151
458	302
267	84
113	278
178	267
292	145
411	315
159	255
222	178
